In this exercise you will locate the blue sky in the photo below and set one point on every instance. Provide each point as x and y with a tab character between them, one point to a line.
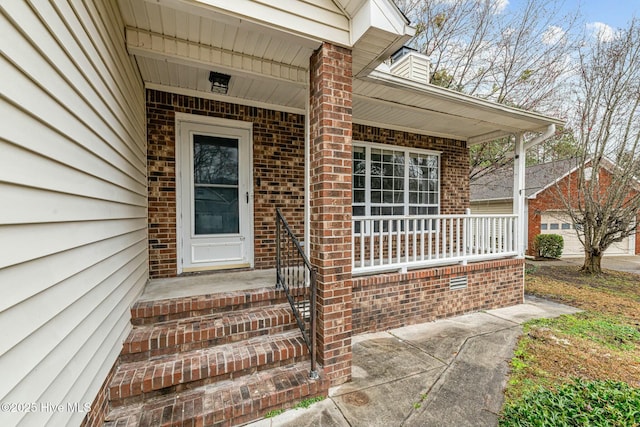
615	13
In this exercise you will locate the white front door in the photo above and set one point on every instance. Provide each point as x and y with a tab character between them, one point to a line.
215	221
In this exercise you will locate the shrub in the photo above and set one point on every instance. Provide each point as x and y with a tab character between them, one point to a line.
549	245
580	403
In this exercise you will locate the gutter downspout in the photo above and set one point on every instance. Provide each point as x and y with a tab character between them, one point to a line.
551	129
519	185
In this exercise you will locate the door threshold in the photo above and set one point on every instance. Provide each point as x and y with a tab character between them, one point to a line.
216	268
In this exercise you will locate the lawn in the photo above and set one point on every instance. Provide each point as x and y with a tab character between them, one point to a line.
583	369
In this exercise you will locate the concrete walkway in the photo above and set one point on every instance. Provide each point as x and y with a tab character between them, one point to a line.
451	372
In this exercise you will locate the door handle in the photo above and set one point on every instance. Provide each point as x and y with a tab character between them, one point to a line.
247	197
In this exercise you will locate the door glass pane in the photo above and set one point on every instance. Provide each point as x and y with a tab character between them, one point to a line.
215	160
216	210
215	177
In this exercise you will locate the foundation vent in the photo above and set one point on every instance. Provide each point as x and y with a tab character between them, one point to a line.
456	283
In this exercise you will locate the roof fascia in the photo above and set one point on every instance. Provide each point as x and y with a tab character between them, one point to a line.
383	15
467	100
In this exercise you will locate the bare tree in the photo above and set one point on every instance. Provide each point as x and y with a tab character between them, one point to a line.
604	197
519	57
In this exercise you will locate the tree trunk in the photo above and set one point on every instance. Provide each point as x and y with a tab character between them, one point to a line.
592	262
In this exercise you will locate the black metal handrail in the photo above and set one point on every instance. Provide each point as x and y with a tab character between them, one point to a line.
297	277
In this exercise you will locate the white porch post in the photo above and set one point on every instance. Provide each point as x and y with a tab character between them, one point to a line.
519	163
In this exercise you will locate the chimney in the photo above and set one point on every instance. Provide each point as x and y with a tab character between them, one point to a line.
410	64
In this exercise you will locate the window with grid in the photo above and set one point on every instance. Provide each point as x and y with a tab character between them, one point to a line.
395	181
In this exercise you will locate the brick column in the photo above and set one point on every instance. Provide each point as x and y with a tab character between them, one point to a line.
330	201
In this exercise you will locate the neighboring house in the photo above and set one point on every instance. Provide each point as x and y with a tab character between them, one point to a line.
493	194
144	140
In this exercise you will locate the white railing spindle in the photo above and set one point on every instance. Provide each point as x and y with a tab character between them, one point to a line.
425	240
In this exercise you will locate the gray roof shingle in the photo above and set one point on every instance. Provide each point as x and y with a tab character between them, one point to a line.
498	184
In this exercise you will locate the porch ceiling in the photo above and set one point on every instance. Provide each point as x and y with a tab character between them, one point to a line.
270	39
386	100
193	80
177	43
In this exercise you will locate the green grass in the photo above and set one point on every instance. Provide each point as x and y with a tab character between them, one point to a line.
611	332
579	403
304	404
418	404
581	369
273	413
521	365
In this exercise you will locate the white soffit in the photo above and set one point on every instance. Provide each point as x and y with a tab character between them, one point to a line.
185	31
441	111
162	47
275	38
312	19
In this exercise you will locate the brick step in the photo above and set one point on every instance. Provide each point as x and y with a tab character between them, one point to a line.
149	312
137	381
150	341
227	403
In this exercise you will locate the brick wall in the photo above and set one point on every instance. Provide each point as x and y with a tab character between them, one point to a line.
330	203
393	300
638	234
454	168
278	169
549	200
278	173
533	225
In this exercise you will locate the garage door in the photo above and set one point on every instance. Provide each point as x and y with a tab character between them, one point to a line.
555	223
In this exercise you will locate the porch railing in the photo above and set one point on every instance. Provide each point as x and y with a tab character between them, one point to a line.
297	277
388	243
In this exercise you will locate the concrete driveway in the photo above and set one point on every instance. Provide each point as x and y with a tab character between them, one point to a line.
629	264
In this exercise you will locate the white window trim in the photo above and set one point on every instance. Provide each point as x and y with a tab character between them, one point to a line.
407	151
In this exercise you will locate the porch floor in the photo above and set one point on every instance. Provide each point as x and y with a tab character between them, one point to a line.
208	283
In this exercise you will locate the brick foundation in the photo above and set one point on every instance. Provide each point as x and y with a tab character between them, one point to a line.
100	406
393	300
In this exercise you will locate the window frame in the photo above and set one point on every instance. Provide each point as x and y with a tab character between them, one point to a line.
406	205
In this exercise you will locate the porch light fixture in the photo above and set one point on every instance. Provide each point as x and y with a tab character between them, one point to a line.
219	82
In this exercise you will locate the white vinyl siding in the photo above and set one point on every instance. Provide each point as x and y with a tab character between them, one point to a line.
73	214
492	207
